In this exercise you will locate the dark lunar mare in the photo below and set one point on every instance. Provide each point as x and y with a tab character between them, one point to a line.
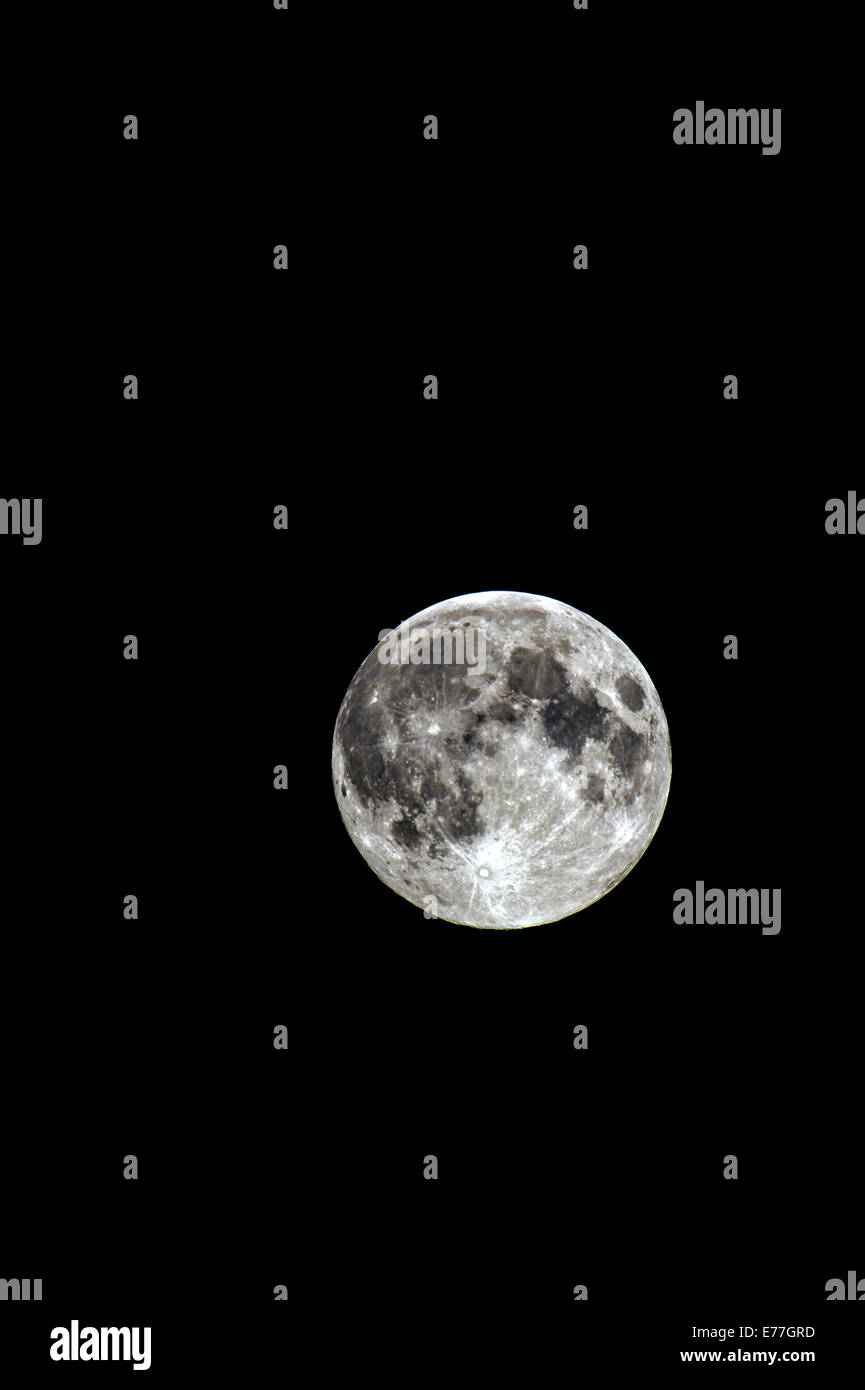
451	812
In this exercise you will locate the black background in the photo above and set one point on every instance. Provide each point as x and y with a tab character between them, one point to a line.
304	388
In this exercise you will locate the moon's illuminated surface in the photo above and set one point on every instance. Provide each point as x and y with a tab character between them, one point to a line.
514	787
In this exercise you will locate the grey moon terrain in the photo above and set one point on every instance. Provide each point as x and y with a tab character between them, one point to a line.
511	788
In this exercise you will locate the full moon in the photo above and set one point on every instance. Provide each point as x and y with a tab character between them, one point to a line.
501	760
